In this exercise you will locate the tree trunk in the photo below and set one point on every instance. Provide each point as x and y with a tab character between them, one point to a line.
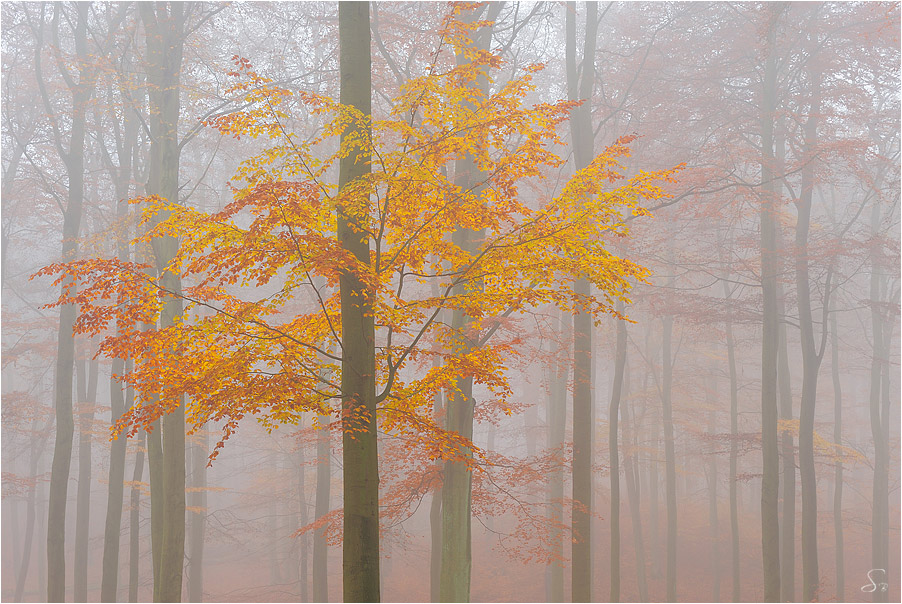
837	465
435	512
631	470
196	528
323	491
302	517
712	498
358	370
65	356
583	149
454	583
734	454
669	457
134	521
613	413
770	527
165	37
556	418
87	395
787	456
879	420
34	459
811	360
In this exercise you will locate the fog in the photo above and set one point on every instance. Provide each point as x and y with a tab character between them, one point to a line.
429	301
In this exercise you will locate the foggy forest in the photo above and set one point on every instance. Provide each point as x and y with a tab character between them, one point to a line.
450	301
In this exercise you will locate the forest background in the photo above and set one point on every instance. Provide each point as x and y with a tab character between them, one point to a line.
512	435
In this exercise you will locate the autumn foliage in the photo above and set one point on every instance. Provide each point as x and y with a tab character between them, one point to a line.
261	335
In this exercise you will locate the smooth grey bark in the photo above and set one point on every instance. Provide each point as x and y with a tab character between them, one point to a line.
713	520
838	464
74	160
360	552
669	457
631	471
556	419
734	451
134	521
581	131
435	507
87	395
165	33
119	404
454	582
770	527
301	519
321	508
879	414
613	436
197	500
788	461
812	354
35	454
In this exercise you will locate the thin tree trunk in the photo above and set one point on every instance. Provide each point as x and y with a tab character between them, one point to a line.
358	371
134	552
34	458
631	470
435	512
581	131
669	457
323	491
454	583
556	419
87	394
734	455
712	499
837	465
787	456
770	527
879	419
303	562
198	502
165	37
613	435
65	357
113	526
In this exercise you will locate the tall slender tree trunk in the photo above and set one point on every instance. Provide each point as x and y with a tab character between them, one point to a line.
669	457
787	456
65	355
435	512
713	519
454	583
837	465
116	489
34	459
556	419
879	419
770	527
613	435
360	551
582	87
811	359
197	499
631	471
321	508
134	526
87	395
303	519
734	454
165	31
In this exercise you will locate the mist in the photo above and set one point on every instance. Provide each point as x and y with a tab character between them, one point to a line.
427	301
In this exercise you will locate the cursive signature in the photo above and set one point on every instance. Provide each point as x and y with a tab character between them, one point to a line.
875	585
